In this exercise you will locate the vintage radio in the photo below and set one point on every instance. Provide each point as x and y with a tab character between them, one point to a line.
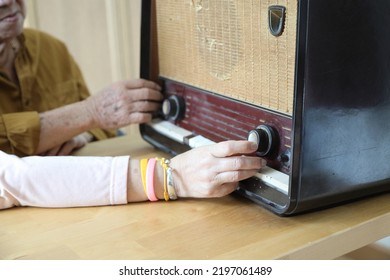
307	80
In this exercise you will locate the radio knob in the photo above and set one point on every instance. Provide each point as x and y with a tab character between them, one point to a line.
173	108
266	139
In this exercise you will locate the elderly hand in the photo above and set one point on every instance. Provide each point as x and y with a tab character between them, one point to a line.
68	147
214	170
124	103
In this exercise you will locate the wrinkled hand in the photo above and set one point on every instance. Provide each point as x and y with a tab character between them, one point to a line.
214	170
124	103
69	146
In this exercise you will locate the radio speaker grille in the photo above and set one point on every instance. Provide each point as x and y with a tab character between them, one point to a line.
225	46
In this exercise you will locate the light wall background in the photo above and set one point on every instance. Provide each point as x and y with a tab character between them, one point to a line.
102	35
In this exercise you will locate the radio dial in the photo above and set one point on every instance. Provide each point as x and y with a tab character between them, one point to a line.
266	139
173	108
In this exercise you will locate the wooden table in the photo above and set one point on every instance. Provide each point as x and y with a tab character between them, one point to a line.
225	228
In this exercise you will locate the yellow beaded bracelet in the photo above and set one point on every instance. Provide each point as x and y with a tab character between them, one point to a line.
164	166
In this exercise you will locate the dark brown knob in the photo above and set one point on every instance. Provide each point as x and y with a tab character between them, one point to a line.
173	108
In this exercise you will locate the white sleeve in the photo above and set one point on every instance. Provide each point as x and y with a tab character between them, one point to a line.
62	181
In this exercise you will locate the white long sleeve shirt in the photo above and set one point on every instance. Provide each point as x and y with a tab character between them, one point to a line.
62	181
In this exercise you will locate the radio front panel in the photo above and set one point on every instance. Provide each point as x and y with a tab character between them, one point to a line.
218	118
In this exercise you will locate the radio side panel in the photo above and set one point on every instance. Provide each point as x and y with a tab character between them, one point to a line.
343	146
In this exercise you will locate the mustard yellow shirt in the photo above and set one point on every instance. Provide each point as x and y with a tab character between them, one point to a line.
48	78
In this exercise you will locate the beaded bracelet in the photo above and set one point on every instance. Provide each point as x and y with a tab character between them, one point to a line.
164	167
171	186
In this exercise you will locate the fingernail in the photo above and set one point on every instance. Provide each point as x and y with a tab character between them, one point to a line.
254	146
